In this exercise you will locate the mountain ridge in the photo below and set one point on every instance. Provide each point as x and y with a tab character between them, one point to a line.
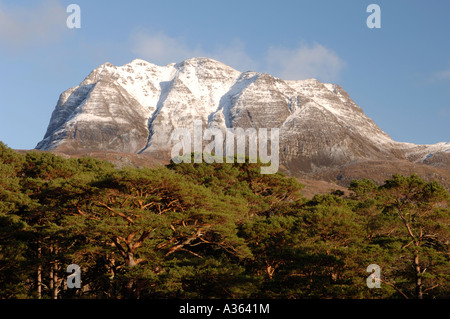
134	108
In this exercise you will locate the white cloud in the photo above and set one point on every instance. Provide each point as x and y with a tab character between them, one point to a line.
291	64
444	112
21	27
304	62
235	55
162	49
443	74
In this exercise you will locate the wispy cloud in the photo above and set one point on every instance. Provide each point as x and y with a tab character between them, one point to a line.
235	55
306	61
24	27
443	74
444	112
160	48
302	62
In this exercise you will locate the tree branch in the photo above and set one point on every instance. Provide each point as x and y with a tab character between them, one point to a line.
393	286
431	288
116	213
119	246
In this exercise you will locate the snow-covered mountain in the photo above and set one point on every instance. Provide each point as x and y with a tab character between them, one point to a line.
134	108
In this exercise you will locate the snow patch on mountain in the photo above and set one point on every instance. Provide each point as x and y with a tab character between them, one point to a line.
135	108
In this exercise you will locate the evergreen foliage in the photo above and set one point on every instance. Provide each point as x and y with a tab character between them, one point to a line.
213	231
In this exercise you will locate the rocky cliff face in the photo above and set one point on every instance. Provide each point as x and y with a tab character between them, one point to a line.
134	109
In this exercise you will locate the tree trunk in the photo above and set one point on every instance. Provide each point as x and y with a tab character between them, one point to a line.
270	270
55	283
51	286
130	262
39	274
53	276
419	292
130	259
416	264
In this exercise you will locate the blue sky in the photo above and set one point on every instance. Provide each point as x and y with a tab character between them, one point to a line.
399	74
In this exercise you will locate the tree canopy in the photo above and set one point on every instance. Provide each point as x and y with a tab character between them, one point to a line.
213	231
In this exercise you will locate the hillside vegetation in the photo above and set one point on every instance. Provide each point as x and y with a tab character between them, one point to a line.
213	231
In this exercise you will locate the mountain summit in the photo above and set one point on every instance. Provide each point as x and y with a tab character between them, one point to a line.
134	108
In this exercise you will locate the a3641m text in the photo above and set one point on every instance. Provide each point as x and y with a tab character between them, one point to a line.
228	308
